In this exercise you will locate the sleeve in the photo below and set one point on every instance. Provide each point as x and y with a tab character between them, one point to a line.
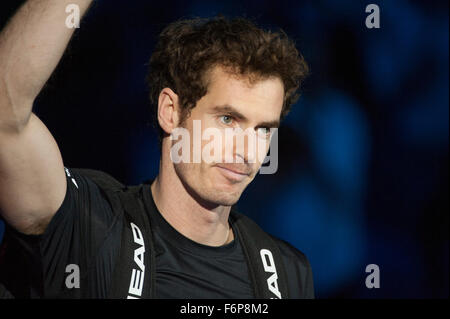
308	282
74	257
5	294
299	271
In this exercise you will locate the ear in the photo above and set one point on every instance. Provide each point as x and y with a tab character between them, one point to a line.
168	110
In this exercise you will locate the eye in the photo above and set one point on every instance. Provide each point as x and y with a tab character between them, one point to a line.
263	131
226	119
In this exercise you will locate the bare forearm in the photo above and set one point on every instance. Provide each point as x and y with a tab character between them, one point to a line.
31	46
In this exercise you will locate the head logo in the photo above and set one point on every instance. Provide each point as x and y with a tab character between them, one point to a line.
269	266
137	276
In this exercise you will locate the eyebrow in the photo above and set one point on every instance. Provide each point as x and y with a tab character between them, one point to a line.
229	109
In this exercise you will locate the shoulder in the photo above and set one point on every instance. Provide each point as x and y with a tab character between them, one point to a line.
99	177
288	251
295	262
291	253
301	284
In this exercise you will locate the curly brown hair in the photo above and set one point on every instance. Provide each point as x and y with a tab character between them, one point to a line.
187	49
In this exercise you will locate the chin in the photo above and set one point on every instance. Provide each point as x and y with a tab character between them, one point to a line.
220	194
216	196
212	189
225	199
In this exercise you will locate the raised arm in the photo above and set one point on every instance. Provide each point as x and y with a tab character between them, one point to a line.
32	178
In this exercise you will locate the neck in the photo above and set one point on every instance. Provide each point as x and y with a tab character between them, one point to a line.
204	224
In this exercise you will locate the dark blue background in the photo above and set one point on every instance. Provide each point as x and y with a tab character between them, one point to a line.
363	172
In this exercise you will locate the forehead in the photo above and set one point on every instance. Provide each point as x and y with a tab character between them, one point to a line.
264	96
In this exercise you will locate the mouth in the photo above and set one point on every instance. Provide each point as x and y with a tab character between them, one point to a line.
233	174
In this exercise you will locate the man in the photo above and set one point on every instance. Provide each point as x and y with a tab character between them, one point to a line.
64	228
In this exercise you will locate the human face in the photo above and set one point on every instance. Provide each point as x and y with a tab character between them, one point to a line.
231	102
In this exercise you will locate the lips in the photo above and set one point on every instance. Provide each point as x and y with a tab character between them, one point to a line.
234	173
243	170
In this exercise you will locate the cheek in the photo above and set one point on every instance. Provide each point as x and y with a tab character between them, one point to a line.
195	175
262	150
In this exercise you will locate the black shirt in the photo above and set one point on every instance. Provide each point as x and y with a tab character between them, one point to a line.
85	232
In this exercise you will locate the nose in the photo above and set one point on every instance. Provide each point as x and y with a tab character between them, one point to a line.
245	146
